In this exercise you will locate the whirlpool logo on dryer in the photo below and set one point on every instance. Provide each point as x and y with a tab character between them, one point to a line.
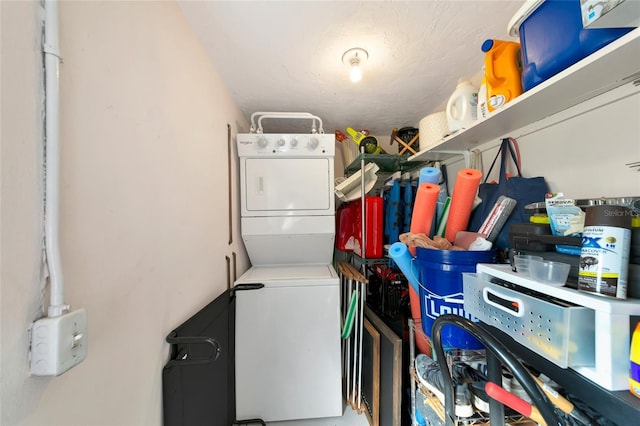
436	305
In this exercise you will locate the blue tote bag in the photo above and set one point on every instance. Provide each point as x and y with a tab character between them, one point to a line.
523	190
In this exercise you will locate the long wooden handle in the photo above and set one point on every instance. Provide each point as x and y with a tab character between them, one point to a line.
557	399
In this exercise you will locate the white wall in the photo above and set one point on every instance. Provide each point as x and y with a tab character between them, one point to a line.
584	156
143	202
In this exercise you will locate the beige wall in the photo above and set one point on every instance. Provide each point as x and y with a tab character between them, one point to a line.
143	228
583	152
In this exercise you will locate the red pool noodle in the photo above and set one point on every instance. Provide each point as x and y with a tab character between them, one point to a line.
414	302
464	192
424	208
421	339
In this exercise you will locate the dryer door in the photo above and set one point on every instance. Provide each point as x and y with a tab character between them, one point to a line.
287	186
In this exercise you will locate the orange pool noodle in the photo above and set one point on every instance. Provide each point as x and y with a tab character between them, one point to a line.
424	208
464	192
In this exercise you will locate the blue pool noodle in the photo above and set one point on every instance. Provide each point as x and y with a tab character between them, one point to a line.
400	254
430	175
407	203
393	217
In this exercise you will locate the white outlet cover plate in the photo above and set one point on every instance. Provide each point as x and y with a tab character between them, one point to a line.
58	343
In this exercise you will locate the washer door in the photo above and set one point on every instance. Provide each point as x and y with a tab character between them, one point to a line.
287	186
287	351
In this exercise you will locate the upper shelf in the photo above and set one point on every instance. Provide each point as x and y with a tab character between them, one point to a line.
614	65
388	163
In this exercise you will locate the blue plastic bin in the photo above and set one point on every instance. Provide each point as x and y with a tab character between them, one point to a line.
552	38
441	290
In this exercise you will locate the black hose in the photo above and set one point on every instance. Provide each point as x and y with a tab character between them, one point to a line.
540	400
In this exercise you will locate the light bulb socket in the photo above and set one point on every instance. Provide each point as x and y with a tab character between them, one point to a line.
355	54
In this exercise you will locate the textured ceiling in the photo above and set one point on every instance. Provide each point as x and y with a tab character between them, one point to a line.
287	55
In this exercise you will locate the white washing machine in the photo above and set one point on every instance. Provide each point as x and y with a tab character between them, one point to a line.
288	303
288	343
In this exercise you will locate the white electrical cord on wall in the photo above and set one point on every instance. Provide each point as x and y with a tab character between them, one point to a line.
52	129
59	340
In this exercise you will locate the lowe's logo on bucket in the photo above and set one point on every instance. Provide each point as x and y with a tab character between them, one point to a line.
435	305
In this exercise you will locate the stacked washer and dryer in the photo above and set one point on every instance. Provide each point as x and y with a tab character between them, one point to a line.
288	303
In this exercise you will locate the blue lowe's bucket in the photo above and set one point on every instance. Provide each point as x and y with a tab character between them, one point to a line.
441	290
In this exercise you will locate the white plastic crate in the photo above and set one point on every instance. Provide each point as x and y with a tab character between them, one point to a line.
611	323
561	333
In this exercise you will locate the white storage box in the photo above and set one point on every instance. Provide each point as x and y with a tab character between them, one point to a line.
609	326
561	332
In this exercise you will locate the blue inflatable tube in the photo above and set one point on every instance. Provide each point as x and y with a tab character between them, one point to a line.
400	254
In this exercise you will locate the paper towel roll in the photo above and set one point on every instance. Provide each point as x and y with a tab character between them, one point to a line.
432	129
464	192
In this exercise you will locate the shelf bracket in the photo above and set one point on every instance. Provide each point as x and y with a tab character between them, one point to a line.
465	153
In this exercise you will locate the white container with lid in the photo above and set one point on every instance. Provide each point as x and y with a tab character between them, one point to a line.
462	106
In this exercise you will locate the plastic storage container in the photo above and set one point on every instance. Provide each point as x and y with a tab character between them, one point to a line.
522	263
502	71
441	290
549	272
462	106
373	231
552	38
349	227
345	218
559	331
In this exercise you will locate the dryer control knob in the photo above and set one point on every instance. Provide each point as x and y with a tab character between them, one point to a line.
313	143
294	142
263	142
281	142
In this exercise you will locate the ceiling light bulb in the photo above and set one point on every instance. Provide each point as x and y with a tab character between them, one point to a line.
356	72
354	58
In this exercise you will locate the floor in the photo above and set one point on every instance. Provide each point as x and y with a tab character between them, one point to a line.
349	418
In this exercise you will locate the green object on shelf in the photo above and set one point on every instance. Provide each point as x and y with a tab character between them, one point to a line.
387	163
351	312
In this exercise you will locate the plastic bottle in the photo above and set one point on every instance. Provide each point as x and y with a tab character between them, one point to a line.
462	106
503	70
634	376
483	112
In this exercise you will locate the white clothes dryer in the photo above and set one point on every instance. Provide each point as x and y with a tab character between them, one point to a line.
286	197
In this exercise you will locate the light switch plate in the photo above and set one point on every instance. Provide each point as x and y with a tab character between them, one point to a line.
58	343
